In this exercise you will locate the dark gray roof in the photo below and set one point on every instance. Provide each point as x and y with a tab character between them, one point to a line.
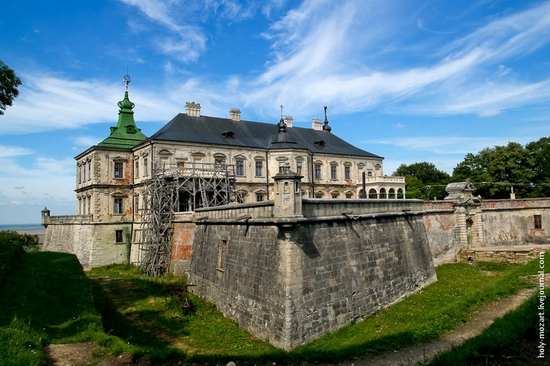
259	135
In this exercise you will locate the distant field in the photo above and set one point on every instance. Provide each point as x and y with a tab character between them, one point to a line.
32	229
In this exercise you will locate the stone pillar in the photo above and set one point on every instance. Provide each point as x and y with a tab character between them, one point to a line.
288	205
292	280
288	194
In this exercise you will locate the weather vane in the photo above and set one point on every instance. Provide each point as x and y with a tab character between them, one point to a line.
281	110
126	80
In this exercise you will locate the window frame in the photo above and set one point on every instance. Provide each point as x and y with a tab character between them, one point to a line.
118	169
537	221
333	172
118	205
119	236
239	168
259	168
318	171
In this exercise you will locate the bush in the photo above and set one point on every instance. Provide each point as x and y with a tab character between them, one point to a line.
10	255
29	242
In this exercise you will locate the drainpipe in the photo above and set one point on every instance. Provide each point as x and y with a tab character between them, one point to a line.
364	186
267	173
312	179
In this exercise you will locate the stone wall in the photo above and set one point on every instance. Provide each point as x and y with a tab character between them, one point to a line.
442	229
454	228
93	244
291	281
182	242
511	222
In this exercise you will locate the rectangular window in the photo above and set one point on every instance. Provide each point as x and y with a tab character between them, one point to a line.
84	172
259	168
538	221
239	168
317	171
89	205
136	170
136	204
333	172
118	206
119	237
84	206
281	167
347	172
90	170
145	167
223	255
259	197
299	167
119	169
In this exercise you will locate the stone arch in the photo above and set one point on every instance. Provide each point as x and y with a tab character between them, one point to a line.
400	193
373	194
382	193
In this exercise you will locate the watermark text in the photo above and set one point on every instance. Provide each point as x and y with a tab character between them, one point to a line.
542	299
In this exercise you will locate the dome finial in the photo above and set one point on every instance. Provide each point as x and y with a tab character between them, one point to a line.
326	127
127	80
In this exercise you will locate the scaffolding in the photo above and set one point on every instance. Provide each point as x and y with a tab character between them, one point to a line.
179	188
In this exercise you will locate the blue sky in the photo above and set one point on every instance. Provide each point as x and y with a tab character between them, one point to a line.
408	80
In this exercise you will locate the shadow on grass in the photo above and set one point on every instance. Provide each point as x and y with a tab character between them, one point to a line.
148	330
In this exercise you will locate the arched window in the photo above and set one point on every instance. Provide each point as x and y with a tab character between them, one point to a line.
373	193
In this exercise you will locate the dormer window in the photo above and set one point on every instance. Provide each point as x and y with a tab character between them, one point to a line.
320	143
228	134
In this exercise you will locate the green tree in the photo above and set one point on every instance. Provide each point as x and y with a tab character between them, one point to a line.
495	170
8	86
423	180
539	151
28	241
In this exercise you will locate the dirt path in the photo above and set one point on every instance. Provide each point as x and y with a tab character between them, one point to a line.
414	355
81	354
91	354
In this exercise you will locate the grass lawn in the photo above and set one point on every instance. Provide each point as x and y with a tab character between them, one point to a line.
158	327
46	298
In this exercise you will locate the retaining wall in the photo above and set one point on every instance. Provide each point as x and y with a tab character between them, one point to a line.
290	281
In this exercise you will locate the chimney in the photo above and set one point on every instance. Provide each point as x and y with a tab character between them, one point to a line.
288	120
193	109
317	124
235	114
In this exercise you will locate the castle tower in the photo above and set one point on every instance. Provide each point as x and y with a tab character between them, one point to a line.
125	134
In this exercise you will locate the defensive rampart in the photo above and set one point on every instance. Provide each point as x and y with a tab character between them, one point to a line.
291	279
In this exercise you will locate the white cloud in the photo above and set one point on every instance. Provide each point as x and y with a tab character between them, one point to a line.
489	113
444	145
49	102
9	151
86	141
185	41
323	52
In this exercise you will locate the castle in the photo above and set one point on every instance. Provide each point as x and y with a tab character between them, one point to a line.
214	161
292	232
